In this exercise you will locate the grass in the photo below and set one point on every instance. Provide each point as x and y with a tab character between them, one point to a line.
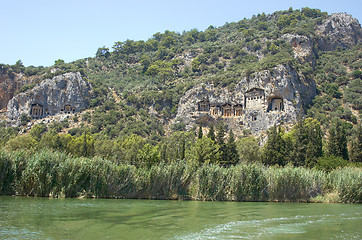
54	174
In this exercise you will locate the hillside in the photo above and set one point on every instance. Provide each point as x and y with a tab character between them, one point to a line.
250	75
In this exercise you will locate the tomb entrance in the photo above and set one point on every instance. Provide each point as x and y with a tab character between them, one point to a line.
37	110
255	98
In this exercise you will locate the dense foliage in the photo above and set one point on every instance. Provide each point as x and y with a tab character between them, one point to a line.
59	175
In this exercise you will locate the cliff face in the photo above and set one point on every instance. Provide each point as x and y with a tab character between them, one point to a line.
67	93
339	30
9	84
256	103
269	97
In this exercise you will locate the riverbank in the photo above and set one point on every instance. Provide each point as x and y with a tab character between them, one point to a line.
54	174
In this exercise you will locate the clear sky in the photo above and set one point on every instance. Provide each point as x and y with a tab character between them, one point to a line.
41	31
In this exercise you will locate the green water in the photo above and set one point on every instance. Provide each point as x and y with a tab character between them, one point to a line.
42	218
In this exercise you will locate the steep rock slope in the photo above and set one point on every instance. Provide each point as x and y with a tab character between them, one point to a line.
9	84
256	103
271	96
339	30
67	93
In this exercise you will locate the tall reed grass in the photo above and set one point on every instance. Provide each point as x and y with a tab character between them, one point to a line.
54	174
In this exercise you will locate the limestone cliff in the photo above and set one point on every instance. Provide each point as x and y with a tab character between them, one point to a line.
256	103
269	97
10	82
67	93
339	30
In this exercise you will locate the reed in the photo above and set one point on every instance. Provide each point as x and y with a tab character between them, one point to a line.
347	183
248	183
210	183
54	174
294	184
6	174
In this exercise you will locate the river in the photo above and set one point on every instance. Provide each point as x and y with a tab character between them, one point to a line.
43	218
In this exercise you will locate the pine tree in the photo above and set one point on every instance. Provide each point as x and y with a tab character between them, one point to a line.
314	148
274	151
211	133
298	153
356	146
337	140
307	146
220	135
200	134
232	153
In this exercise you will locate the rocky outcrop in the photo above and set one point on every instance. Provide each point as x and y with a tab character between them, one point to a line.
256	103
10	82
302	45
339	30
67	93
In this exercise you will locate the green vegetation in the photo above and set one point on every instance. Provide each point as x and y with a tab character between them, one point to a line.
185	165
56	174
124	145
132	77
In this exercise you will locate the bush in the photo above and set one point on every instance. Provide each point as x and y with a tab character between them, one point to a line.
21	142
329	163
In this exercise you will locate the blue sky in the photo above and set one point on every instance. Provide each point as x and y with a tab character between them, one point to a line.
41	31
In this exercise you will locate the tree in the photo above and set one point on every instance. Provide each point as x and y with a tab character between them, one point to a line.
103	52
203	151
352	93
153	70
312	13
130	146
232	153
6	133
329	163
59	63
199	135
21	142
24	119
37	131
145	62
248	150
175	146
168	41
274	148
306	146
195	64
211	133
356	146
148	155
337	139
315	142
220	135
18	67
82	146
